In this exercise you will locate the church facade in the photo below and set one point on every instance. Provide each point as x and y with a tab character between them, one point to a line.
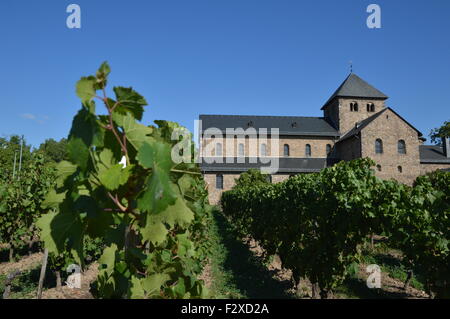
356	123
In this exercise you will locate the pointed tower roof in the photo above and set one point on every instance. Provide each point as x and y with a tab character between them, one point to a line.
354	86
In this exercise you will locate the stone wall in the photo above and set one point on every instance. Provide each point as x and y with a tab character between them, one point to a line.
349	149
252	146
390	129
428	167
347	118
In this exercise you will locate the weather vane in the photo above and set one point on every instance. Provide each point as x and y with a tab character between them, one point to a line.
351	67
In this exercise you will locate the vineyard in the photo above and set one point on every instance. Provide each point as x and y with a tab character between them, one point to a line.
318	224
112	202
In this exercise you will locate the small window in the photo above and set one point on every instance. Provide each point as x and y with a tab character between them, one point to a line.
308	150
370	107
219	181
218	149
379	167
354	107
378	146
263	150
241	149
400	169
328	149
286	150
401	146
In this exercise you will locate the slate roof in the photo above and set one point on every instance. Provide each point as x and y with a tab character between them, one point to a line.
361	125
287	125
354	86
286	165
432	154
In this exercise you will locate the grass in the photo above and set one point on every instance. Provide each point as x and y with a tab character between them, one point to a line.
236	272
391	264
25	285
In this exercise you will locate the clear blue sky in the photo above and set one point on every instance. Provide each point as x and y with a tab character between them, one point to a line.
194	57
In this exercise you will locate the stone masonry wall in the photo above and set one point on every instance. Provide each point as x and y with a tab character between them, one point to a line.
347	119
390	129
428	168
252	146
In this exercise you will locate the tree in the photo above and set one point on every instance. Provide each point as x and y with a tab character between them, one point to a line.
440	133
53	150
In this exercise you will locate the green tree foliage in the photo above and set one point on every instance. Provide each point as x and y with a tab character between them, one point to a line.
151	212
20	202
439	133
251	177
54	151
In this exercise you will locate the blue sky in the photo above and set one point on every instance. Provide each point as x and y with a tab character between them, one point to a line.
263	57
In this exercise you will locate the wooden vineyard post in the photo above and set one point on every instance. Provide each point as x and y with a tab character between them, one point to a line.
42	276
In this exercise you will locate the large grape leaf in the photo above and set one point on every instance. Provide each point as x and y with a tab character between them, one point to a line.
154	231
78	152
114	176
136	133
59	229
85	88
64	169
159	193
130	101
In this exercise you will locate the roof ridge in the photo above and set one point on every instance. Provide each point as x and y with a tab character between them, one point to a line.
286	116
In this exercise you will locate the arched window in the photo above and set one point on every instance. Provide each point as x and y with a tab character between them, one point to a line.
219	181
241	149
286	150
401	147
354	107
263	149
378	146
370	107
218	149
308	150
328	149
400	169
379	167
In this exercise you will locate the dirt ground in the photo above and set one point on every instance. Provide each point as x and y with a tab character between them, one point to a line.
35	260
388	284
73	293
27	262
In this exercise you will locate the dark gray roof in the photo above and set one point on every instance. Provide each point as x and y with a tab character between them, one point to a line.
354	86
286	165
287	125
361	125
354	131
432	154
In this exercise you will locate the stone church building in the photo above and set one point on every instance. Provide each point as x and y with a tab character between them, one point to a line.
356	123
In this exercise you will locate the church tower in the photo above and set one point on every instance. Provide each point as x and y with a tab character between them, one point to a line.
354	101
